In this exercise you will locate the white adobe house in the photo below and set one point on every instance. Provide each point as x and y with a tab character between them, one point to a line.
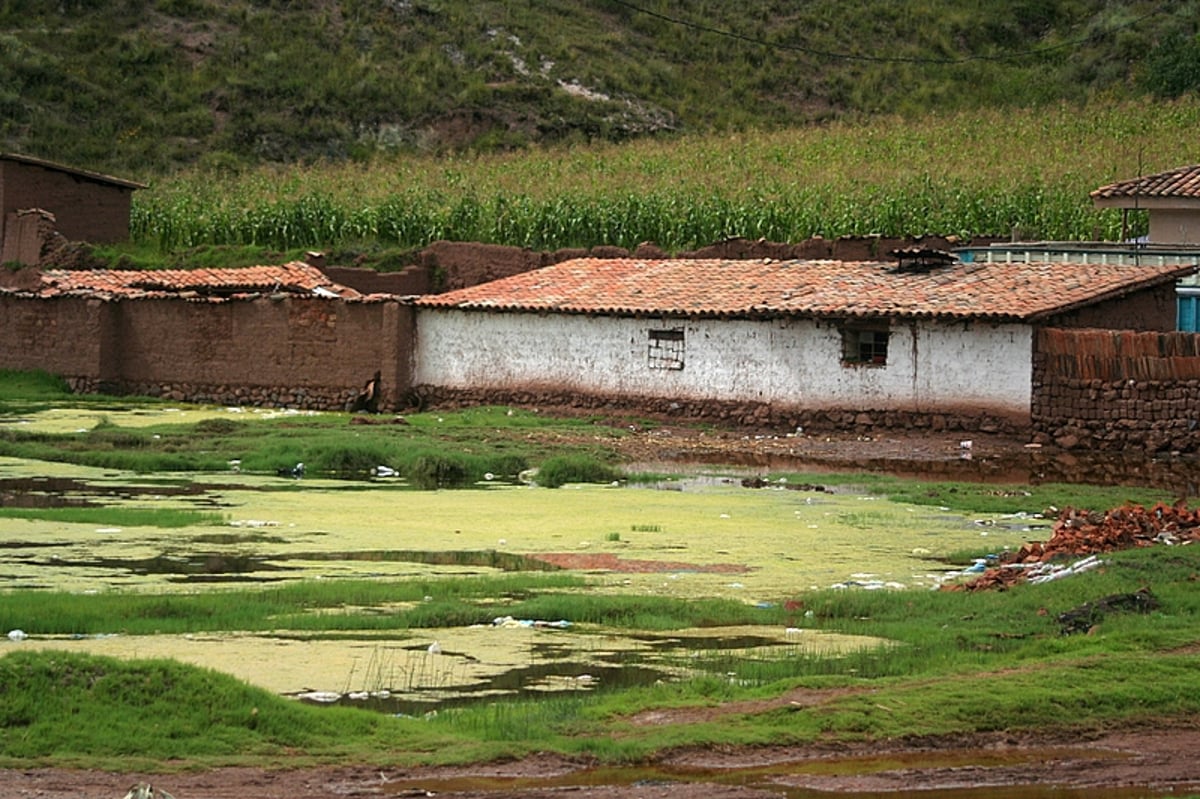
925	336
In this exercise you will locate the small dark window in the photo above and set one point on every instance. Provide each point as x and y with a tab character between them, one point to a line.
864	346
665	350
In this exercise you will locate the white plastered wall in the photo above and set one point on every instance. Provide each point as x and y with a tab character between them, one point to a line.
1175	226
930	366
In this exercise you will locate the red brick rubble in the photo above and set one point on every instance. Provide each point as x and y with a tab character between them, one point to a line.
1079	533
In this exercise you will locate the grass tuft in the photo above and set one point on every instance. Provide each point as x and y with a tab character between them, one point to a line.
558	471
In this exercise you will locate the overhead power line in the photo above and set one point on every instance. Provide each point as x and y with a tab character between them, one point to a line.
883	59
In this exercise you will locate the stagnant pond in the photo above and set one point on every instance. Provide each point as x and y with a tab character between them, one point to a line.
707	536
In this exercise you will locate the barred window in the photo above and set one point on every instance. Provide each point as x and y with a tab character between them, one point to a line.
665	350
864	346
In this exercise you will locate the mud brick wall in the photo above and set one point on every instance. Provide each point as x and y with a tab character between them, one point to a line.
285	352
85	209
63	335
1147	309
408	281
1117	390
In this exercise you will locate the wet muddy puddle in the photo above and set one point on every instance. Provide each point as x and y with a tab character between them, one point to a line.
995	775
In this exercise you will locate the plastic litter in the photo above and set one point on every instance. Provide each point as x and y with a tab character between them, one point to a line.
510	622
145	790
17	635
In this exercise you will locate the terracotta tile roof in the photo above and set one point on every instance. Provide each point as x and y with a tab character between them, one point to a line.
292	278
1183	182
630	287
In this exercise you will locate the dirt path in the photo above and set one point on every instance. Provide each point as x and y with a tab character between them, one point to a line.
1159	761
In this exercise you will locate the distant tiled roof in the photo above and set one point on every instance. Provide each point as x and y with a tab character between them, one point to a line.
632	287
292	278
1182	182
83	173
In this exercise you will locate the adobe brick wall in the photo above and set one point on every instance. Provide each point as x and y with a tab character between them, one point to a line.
411	280
1147	309
85	209
1117	390
293	352
62	335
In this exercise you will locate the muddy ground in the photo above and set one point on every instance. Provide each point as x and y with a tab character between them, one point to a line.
1157	762
1154	761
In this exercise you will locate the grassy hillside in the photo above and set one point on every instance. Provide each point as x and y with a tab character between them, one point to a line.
139	87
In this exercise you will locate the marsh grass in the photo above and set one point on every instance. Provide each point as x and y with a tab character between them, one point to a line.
118	516
987	498
958	663
449	449
557	471
410	604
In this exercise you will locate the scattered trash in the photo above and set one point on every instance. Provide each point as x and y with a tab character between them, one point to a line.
1045	572
384	471
322	697
761	482
867	585
510	622
1088	534
435	648
296	471
145	791
17	635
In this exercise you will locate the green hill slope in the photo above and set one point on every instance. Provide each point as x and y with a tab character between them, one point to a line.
142	86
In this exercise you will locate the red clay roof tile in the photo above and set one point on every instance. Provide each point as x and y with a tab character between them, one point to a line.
1182	182
758	288
295	277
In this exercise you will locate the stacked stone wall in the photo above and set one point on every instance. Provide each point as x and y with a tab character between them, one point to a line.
753	415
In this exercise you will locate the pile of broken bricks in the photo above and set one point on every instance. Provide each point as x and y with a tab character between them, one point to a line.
1086	535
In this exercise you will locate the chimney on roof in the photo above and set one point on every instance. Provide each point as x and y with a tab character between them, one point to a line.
921	259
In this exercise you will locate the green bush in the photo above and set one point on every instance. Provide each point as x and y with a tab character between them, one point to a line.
563	469
432	470
349	460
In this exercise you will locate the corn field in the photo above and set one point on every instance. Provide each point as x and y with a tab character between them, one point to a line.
970	174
